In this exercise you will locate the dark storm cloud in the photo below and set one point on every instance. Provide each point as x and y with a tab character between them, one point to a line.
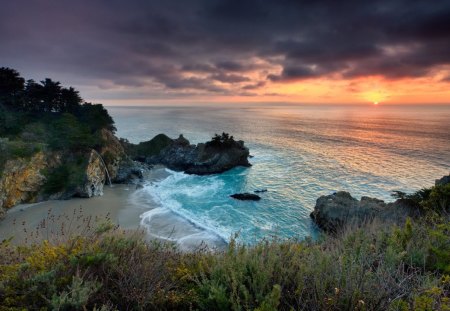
171	43
229	78
254	86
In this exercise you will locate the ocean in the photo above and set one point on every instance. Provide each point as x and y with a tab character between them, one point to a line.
300	152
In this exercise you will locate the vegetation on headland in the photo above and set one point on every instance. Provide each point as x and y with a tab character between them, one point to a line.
47	116
221	141
146	148
374	267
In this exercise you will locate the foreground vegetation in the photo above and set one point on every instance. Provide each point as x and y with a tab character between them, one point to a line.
370	268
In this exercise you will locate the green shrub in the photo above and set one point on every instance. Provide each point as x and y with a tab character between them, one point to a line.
67	175
77	295
68	133
221	141
370	268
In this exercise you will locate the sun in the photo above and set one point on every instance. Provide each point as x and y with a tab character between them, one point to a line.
375	96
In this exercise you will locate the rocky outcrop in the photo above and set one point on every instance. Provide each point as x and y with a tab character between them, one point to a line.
443	181
336	211
81	174
146	149
94	178
131	172
118	156
246	196
22	179
112	153
201	159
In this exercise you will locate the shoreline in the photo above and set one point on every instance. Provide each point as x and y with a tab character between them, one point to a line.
124	205
73	214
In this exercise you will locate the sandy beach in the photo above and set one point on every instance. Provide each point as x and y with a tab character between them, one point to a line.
24	219
123	205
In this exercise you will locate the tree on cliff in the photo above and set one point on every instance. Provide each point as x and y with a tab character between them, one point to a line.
68	121
11	86
48	96
221	141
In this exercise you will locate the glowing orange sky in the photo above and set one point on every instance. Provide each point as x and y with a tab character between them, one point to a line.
197	52
427	90
430	89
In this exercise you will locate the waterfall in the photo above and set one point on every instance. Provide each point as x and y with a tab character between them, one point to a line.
104	165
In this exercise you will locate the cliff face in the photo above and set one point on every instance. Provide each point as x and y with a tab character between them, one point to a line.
94	179
112	152
24	180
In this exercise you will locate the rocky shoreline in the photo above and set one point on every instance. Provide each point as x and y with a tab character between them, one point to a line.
118	161
202	159
340	210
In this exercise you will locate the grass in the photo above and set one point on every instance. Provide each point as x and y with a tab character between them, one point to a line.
98	266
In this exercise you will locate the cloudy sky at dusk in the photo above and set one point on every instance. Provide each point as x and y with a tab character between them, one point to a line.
196	51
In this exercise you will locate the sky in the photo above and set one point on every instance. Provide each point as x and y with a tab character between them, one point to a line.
146	52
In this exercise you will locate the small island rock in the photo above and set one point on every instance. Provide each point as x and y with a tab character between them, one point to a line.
216	156
246	196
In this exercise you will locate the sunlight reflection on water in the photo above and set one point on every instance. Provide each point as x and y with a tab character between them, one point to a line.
300	153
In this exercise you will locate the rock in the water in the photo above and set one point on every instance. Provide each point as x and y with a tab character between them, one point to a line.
336	211
260	191
246	196
201	159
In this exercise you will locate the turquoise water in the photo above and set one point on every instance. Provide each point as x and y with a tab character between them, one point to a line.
299	153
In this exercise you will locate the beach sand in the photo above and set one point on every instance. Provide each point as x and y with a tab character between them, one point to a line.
24	219
120	204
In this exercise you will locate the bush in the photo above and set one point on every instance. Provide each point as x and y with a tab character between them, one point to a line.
67	175
221	141
372	268
68	133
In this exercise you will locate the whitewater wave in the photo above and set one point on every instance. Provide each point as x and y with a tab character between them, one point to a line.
171	222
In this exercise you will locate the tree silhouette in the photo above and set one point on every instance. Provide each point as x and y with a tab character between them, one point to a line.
47	99
33	96
221	141
51	95
11	86
70	100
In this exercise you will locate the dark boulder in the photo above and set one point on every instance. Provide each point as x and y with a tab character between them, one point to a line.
260	191
246	196
336	211
131	172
